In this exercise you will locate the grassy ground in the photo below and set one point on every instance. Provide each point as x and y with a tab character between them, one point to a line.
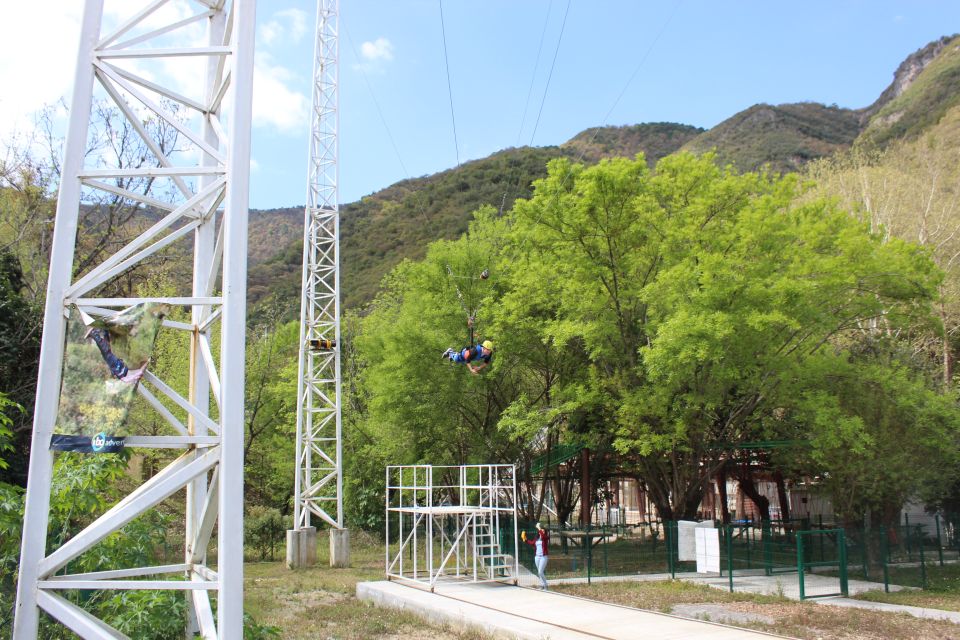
320	603
793	619
942	588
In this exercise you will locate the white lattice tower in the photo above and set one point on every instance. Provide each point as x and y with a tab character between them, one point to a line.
125	64
319	473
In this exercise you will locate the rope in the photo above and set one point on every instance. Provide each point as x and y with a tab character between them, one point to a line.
446	62
556	195
536	64
383	120
550	76
470	313
633	75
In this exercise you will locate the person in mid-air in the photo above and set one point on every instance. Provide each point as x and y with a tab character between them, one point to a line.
478	353
119	369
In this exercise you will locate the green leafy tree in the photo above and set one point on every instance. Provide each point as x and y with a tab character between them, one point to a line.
697	294
271	412
878	434
418	407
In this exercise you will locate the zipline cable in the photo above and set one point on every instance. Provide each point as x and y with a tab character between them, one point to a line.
550	75
383	120
533	77
446	62
633	75
636	70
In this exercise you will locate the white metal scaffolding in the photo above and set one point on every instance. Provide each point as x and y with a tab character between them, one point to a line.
142	66
318	486
450	523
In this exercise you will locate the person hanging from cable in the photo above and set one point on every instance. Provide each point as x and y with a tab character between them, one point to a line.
475	351
480	353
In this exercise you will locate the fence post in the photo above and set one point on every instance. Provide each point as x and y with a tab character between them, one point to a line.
884	556
730	555
667	541
800	561
844	583
906	524
864	557
923	565
603	541
936	520
589	549
767	534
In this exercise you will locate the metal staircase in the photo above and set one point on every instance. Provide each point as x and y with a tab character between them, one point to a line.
496	564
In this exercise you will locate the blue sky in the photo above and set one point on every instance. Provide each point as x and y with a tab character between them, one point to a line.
699	61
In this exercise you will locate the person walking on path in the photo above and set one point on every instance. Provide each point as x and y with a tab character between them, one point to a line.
541	543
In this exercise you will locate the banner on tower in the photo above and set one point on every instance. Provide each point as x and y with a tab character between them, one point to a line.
105	358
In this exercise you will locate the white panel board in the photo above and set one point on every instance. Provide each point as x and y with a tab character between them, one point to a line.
686	539
708	550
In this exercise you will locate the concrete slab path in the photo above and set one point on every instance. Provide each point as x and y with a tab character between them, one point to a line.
788	586
916	612
516	612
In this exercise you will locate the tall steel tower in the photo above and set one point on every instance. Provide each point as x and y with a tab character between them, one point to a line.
124	64
318	486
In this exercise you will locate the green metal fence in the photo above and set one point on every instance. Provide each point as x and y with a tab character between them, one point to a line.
911	555
806	543
588	552
926	556
767	548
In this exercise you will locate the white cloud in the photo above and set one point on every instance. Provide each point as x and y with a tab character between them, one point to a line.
375	54
379	49
274	102
36	58
288	25
38	44
254	165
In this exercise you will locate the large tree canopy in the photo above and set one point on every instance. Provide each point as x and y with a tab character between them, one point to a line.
675	314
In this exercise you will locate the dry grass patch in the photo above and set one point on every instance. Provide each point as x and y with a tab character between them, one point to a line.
928	599
806	620
320	603
657	595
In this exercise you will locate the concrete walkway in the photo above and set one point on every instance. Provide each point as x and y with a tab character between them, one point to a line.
514	612
787	585
917	612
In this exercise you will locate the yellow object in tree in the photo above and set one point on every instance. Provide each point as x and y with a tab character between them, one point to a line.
523	536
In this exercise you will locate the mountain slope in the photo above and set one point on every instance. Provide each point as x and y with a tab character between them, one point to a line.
925	87
783	137
398	222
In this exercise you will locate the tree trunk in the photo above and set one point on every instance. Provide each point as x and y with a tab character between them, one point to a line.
745	480
782	497
722	486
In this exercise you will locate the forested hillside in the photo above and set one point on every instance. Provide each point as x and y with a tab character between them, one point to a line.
925	87
783	137
398	222
659	313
